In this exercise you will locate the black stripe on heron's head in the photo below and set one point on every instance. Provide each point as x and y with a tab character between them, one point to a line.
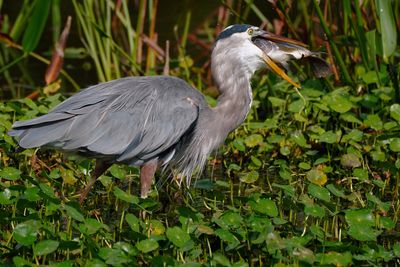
227	32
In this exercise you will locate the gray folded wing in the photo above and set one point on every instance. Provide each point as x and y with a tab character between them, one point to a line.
131	119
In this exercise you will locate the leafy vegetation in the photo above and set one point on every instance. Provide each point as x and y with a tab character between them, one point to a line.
307	180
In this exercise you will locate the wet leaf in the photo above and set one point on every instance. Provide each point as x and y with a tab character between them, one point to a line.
122	195
74	213
45	247
266	206
133	222
249	177
319	192
394	144
395	112
177	236
317	176
299	139
147	245
328	137
363	233
374	121
253	140
350	161
10	173
25	233
360	217
227	237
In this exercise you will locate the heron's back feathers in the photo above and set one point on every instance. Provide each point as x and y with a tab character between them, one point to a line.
129	120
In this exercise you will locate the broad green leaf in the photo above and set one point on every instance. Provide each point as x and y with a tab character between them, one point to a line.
360	217
36	25
227	237
350	161
339	103
233	219
363	233
45	247
133	222
335	191
47	190
25	233
249	177
266	206
221	260
384	9
74	213
10	173
92	226
374	121
314	210
350	117
296	106
328	137
122	195
395	112
304	165
114	256
147	245
394	144
335	259
319	192
253	140
177	236
276	102
317	176
387	223
300	140
118	172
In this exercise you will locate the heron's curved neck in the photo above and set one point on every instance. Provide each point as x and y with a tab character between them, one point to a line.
235	97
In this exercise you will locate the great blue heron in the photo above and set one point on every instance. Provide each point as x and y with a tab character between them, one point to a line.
158	120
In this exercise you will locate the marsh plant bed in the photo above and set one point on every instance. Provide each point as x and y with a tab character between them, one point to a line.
316	183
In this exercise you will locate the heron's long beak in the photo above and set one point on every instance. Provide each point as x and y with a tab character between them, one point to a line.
270	63
279	71
277	38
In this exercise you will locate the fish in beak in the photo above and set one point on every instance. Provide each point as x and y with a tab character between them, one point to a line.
278	50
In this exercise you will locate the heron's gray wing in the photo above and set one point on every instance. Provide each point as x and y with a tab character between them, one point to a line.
132	119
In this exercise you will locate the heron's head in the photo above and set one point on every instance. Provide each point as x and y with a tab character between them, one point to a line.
236	52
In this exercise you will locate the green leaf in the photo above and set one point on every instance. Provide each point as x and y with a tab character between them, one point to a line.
10	173
363	233
350	161
249	177
395	112
388	27
334	258
299	139
328	137
122	195
36	25
118	172
314	210
74	213
387	223
25	233
335	191
147	245
296	106
177	236
253	140
319	192
276	102
45	247
394	144
232	219
221	260
317	176
133	222
339	103
227	237
266	206
374	122
360	217
21	262
92	226
47	190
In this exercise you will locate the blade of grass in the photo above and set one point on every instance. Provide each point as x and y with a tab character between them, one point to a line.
335	49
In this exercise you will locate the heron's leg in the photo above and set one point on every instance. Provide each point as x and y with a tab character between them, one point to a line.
99	169
147	172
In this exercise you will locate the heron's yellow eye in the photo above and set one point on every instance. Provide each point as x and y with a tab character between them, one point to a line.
250	31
